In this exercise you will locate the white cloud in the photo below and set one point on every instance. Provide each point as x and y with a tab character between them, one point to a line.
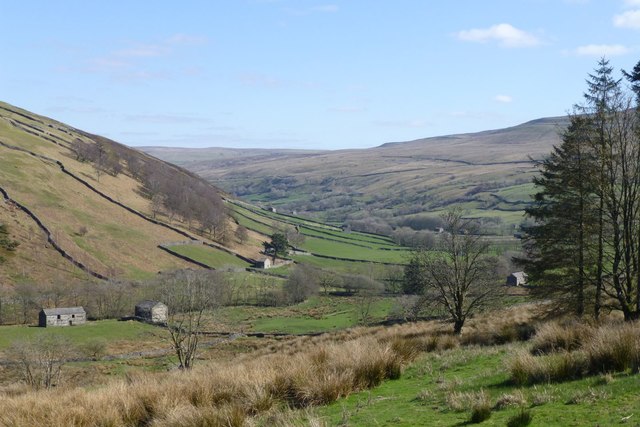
505	34
132	63
503	98
628	19
632	3
142	51
600	50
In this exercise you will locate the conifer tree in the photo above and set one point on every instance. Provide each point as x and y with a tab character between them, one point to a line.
560	246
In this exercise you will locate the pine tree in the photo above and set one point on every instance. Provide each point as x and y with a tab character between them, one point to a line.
560	246
601	90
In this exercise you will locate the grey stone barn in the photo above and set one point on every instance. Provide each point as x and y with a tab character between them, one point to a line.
518	278
152	311
264	263
64	316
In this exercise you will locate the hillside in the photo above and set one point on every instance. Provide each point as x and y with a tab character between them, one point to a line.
488	173
78	220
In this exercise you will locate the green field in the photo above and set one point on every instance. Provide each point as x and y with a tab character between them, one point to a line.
326	240
322	314
111	330
207	255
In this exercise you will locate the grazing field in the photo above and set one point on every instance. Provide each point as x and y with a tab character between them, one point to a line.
118	335
212	257
324	240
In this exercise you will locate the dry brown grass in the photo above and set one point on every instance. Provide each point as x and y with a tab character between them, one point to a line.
260	385
219	393
566	335
564	351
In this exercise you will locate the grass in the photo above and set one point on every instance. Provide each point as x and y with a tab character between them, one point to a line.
357	377
217	393
351	251
422	396
212	257
112	331
317	314
342	315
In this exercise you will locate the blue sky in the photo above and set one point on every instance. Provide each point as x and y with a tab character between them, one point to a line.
305	74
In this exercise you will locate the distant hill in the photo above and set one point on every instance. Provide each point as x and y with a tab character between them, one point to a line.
83	207
488	173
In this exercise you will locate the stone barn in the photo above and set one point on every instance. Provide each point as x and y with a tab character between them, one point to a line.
264	263
518	278
152	311
64	316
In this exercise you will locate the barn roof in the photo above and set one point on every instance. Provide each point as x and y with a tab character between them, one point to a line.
519	274
63	310
147	304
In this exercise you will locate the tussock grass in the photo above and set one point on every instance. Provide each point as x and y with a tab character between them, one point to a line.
521	419
507	400
562	353
560	336
480	408
214	394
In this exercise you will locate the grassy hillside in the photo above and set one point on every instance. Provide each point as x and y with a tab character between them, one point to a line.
58	205
73	220
488	173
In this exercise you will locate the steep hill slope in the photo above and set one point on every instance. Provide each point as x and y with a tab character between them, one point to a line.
76	219
489	173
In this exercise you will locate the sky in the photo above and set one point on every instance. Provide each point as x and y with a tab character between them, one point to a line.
305	73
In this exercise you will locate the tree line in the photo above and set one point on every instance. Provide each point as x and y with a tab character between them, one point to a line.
583	249
171	191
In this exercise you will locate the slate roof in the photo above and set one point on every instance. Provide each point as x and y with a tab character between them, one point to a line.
63	311
147	304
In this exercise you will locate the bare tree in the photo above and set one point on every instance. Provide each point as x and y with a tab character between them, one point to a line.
458	277
188	294
41	359
302	283
242	234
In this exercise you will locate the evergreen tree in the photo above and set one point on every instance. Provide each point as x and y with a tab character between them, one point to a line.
602	88
560	246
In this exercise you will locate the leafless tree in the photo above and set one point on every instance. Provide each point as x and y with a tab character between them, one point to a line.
188	295
242	234
302	283
459	276
41	359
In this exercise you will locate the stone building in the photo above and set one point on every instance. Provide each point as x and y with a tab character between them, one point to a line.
518	278
63	316
152	311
